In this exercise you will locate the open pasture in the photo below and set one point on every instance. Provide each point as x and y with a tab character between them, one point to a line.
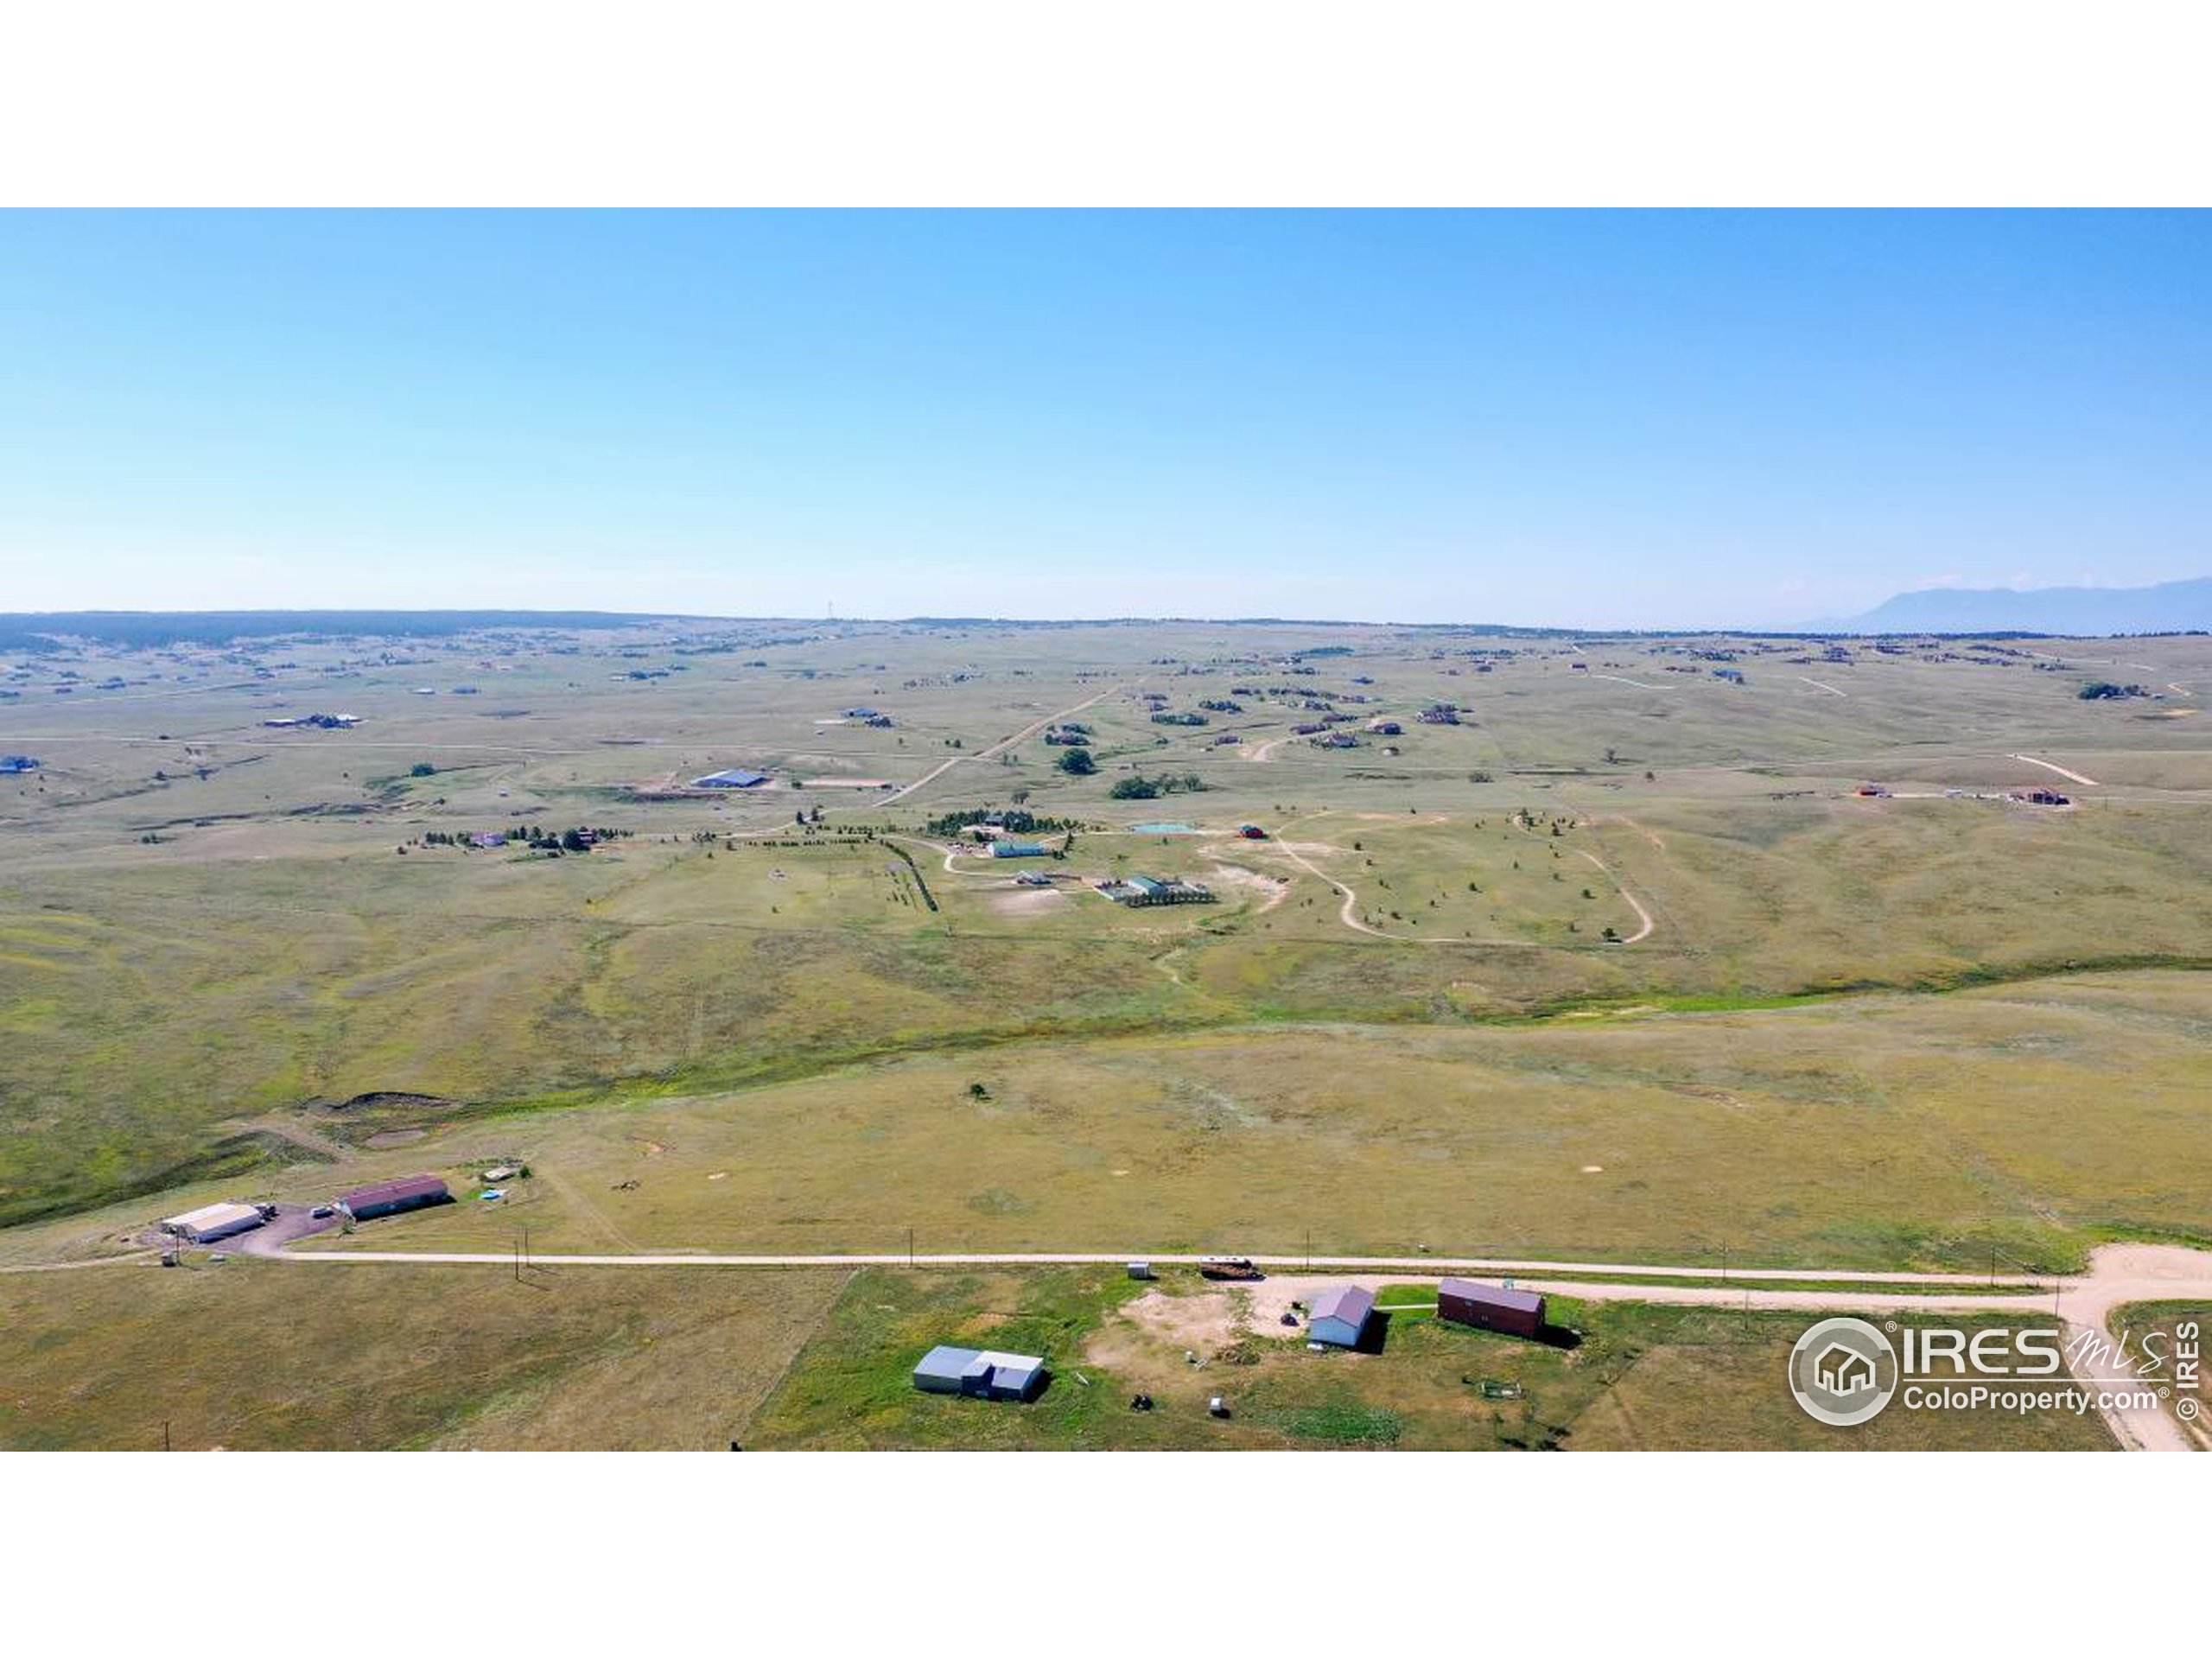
207	922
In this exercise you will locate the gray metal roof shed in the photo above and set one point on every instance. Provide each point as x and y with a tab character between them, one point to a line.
1340	1316
942	1369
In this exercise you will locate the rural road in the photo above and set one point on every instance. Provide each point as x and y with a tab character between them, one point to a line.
1429	1264
1003	744
1347	912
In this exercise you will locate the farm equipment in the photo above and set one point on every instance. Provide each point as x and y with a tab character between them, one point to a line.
1229	1267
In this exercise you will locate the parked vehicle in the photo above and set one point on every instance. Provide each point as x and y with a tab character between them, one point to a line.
1229	1266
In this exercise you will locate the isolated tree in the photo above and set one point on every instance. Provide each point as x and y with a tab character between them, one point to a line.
1078	763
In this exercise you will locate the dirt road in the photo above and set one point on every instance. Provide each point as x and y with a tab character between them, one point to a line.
1002	745
1427	1265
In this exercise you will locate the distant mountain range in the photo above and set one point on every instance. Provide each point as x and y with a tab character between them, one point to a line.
2169	607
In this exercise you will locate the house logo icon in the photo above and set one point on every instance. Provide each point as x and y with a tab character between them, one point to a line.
1843	1371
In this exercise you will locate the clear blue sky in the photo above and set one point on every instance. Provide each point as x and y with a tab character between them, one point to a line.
1592	419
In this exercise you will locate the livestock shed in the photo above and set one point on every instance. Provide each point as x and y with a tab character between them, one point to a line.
735	778
390	1198
1152	890
1017	849
983	1374
1339	1316
215	1220
1491	1307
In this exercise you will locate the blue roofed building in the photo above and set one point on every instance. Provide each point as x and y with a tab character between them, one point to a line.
1018	849
735	778
982	1374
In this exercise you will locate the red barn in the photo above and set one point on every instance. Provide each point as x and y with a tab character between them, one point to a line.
1489	1307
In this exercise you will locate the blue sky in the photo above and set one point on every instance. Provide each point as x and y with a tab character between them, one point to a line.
1596	419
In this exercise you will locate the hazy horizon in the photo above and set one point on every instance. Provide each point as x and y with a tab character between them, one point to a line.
1544	420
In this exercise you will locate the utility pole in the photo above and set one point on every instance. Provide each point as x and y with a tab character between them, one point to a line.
165	1434
1309	1249
910	1247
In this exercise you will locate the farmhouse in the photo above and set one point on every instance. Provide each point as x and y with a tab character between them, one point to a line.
390	1198
1488	1308
983	1374
735	778
1339	1316
215	1220
1384	728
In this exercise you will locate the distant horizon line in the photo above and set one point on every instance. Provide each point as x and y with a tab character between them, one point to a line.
27	621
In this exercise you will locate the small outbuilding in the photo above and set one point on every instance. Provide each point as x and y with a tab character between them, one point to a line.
983	1374
1490	1307
213	1221
1339	1316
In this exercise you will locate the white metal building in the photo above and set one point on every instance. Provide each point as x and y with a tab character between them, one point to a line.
212	1222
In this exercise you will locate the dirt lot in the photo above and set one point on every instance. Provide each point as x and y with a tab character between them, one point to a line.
1027	901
